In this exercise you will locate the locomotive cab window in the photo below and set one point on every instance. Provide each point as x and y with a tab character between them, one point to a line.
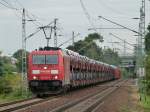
51	59
38	59
45	59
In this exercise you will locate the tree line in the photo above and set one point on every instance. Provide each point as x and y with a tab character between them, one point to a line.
147	60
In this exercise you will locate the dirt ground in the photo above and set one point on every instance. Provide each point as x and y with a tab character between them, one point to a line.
125	99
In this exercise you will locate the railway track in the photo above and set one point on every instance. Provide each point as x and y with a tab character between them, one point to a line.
91	102
22	104
13	102
16	105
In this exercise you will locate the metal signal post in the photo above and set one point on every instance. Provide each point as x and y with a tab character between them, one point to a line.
140	43
55	32
24	58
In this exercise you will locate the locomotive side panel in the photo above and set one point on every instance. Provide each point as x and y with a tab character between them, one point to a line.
66	61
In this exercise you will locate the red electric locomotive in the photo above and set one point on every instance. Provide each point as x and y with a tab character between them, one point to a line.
52	70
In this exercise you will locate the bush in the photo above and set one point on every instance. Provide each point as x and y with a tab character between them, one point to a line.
124	73
10	88
147	67
5	87
9	83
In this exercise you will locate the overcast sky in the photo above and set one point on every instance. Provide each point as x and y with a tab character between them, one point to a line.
71	18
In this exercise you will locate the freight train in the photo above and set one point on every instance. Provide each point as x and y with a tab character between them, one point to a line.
53	70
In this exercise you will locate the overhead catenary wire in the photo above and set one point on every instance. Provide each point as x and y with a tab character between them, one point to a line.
87	15
90	21
85	46
29	13
10	6
38	24
19	3
122	39
125	46
7	5
68	40
39	29
92	43
32	19
108	7
106	28
32	34
14	9
101	17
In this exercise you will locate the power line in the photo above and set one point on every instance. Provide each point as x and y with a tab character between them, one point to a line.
120	25
32	34
121	39
85	46
39	29
19	3
29	13
103	4
7	2
33	20
105	28
125	47
87	15
8	5
73	36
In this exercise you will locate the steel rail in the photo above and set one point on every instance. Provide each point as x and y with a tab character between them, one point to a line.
26	103
13	102
72	104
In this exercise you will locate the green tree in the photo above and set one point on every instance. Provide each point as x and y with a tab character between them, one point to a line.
6	67
147	40
18	56
111	57
5	86
1	67
147	60
89	48
94	36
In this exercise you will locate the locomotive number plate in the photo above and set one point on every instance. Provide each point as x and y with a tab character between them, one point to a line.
45	71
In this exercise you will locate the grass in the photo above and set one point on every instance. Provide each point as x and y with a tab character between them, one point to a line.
145	102
14	96
125	109
10	88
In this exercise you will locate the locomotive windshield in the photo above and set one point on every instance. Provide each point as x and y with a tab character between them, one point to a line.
38	59
51	59
45	59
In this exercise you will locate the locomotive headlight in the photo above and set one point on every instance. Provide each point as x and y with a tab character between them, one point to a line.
34	77
56	77
45	68
35	71
54	72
